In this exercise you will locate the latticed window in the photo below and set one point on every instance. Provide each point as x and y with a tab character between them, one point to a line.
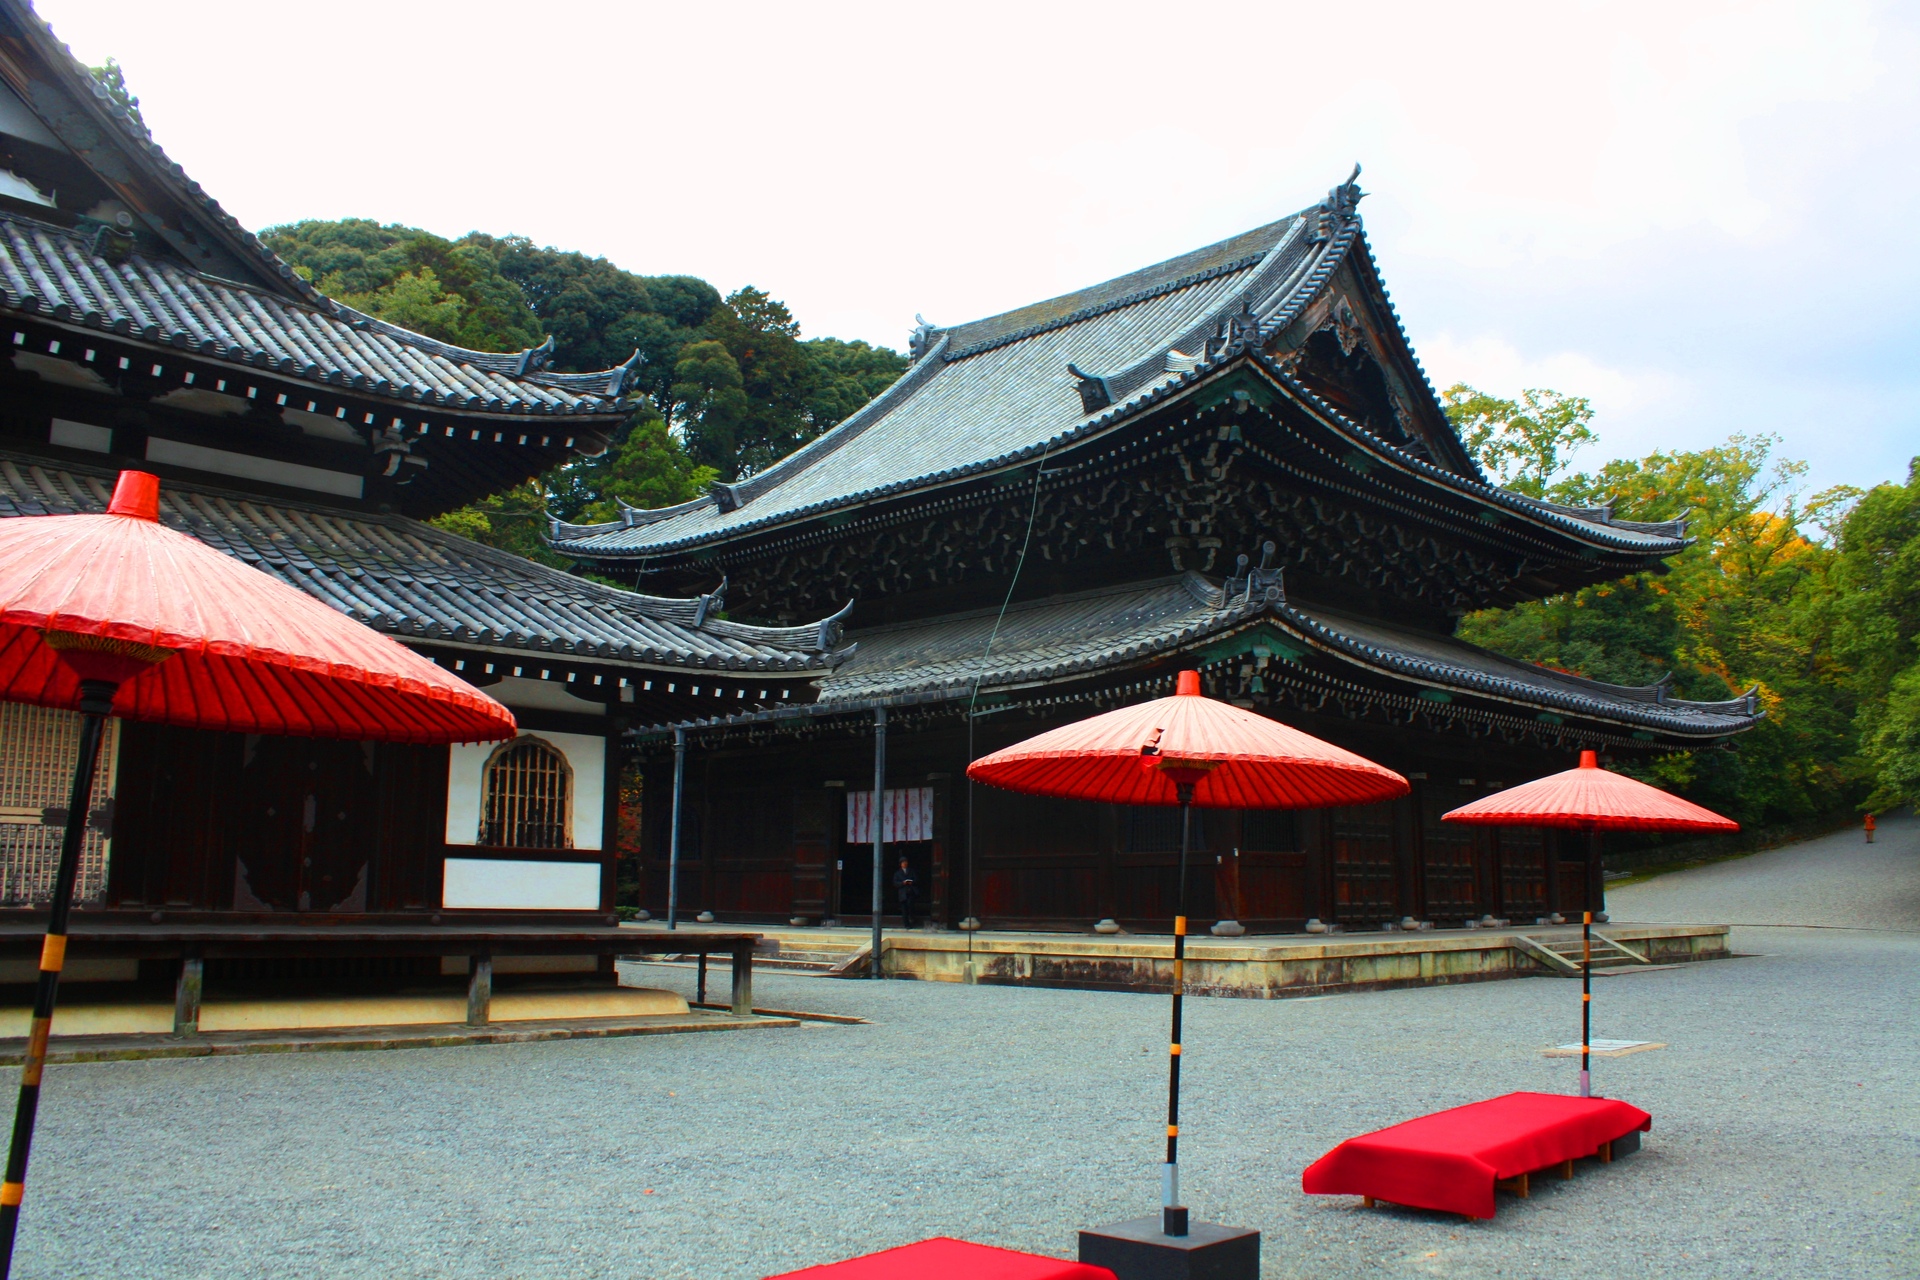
37	750
528	797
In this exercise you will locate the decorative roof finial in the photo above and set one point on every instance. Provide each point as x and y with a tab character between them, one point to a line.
920	341
1095	394
1341	205
534	359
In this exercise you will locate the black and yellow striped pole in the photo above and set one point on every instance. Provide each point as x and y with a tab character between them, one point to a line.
1173	1214
1586	1001
1586	970
96	702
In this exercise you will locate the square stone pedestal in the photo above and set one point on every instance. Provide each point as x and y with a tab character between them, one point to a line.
1139	1250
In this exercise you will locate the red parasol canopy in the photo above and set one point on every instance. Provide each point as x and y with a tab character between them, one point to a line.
1592	799
249	653
1236	759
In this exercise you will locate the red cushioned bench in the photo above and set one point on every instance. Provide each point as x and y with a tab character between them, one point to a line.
1451	1160
944	1259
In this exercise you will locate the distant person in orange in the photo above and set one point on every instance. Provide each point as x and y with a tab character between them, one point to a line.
1869	828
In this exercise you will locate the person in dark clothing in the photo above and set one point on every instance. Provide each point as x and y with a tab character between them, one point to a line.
905	889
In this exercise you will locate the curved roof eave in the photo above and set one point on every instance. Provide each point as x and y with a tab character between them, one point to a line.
588	543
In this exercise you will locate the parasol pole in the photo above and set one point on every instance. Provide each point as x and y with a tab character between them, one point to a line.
1173	1214
96	703
1586	971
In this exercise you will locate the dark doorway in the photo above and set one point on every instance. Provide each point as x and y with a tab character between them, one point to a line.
1363	870
307	821
1523	872
856	877
1447	864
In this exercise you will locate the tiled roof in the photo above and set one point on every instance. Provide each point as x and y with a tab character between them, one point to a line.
1068	637
996	392
104	126
415	582
52	272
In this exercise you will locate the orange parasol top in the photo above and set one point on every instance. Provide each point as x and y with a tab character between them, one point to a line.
1590	798
198	639
1236	759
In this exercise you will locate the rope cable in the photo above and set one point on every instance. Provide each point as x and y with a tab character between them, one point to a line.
1026	540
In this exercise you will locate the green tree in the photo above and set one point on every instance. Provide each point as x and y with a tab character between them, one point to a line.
709	397
1877	633
847	375
453	291
1522	444
513	521
600	314
1749	604
111	77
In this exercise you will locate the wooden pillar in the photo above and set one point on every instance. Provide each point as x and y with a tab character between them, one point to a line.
1550	846
479	989
742	979
186	996
610	817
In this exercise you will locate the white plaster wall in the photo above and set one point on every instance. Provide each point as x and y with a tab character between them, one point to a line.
501	885
466	766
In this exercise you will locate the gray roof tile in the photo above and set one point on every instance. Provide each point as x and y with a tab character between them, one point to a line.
1099	631
52	272
416	582
995	392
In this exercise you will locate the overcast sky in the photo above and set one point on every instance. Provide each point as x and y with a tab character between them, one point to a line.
1702	216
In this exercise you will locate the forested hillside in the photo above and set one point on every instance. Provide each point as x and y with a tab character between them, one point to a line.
1815	600
730	384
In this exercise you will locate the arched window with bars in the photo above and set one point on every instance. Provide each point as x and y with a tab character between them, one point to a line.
529	797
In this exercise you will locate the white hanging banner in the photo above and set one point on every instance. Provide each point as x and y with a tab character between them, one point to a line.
909	815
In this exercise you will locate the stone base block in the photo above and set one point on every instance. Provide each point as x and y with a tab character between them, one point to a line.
1138	1250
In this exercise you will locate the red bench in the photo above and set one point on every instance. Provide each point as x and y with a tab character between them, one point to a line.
1451	1160
944	1259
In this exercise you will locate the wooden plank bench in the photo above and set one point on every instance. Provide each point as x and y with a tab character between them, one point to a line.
191	945
1454	1160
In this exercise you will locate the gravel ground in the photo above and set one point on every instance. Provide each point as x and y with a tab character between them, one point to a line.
1784	1140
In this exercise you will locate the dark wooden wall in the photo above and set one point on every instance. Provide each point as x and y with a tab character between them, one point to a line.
764	839
218	822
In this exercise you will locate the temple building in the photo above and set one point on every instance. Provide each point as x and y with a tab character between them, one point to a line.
1229	461
142	327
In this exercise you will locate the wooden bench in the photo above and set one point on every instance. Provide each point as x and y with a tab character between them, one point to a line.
1454	1160
191	945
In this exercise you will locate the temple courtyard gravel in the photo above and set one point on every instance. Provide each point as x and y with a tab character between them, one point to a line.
1784	1141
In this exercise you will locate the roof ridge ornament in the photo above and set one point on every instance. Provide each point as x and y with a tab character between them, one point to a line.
1266	583
832	628
1341	206
534	359
1095	392
712	602
622	374
920	340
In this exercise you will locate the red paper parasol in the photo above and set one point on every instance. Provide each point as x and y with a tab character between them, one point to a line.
117	615
250	654
1137	755
1186	750
1591	799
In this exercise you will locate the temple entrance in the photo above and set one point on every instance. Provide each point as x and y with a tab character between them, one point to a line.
1523	872
1447	861
856	877
1363	870
306	828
